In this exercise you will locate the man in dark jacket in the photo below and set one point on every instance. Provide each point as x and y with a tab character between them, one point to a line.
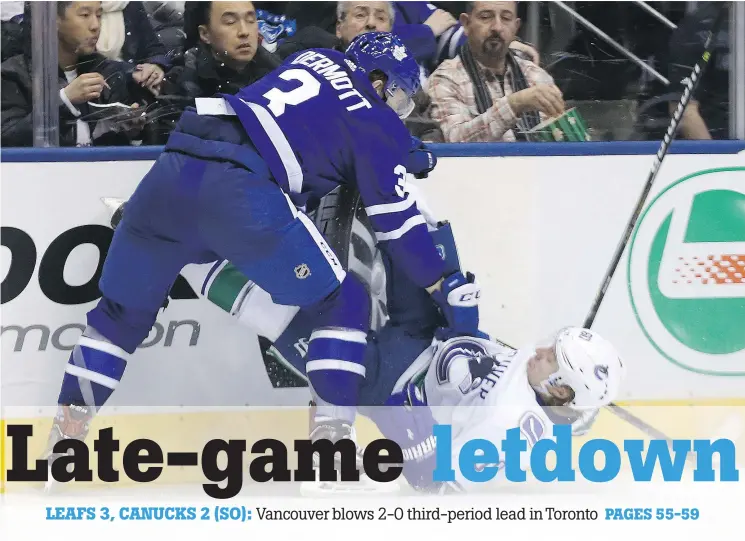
84	77
223	56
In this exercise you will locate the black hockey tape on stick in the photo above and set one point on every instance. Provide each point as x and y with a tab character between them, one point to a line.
691	83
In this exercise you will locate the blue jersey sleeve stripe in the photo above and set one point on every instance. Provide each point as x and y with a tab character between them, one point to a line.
335	364
346	335
281	145
388	208
401	231
271	143
383	223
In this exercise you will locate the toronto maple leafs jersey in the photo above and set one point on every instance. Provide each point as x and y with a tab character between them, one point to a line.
318	123
481	389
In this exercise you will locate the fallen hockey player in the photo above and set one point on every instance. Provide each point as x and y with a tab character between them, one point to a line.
418	373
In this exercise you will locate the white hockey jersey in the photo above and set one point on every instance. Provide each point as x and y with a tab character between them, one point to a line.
481	389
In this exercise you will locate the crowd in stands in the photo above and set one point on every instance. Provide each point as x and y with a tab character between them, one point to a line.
128	69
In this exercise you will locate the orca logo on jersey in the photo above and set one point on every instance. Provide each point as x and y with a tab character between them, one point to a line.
462	348
484	370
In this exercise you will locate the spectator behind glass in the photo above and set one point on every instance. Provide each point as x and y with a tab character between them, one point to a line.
223	56
707	114
127	35
167	20
487	93
352	19
432	34
223	52
11	15
84	76
355	18
418	24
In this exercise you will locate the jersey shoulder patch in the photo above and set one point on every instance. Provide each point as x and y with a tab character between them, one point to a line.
465	363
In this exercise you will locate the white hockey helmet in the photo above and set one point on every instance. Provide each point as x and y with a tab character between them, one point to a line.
590	365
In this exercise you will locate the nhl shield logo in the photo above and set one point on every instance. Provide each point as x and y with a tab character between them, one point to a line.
302	271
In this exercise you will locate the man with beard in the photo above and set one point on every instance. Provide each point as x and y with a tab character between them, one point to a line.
487	93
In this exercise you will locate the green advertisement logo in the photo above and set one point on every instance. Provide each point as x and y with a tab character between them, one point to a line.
686	272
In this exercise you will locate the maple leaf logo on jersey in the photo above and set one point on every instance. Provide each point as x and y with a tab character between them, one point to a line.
399	53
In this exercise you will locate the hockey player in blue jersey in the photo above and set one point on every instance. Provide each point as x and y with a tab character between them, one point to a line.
419	372
234	182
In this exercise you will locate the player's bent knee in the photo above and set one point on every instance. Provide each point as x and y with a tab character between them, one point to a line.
348	306
335	362
124	327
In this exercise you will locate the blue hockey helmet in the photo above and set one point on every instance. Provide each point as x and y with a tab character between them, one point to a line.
384	52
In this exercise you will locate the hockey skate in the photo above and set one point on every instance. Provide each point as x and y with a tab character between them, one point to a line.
71	422
335	430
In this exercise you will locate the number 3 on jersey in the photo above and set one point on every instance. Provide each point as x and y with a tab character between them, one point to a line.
400	172
309	88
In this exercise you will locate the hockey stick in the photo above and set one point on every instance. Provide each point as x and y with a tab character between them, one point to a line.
691	83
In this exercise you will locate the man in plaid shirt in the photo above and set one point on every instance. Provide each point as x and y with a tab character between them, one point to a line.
486	93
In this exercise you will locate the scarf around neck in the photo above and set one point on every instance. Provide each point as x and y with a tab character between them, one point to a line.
525	122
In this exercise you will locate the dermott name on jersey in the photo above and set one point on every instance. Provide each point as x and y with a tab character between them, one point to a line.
338	78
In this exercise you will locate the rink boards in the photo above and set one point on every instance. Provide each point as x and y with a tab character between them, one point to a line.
537	230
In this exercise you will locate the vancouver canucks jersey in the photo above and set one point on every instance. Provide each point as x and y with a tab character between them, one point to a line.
481	389
318	123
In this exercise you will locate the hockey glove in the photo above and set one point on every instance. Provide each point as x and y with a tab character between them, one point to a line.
410	425
421	160
584	422
407	420
458	299
411	395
